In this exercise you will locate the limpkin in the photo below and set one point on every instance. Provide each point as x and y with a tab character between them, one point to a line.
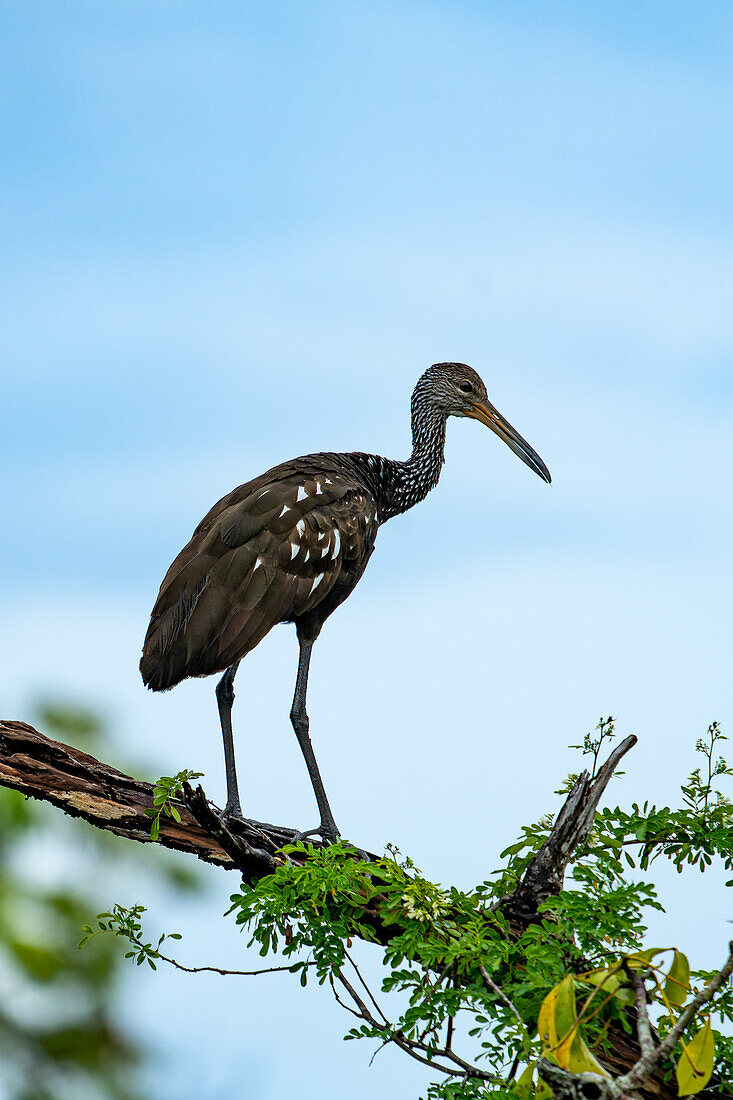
290	546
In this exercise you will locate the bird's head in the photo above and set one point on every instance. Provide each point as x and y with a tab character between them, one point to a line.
454	389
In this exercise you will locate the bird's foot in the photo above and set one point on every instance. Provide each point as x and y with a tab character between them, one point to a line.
328	834
233	810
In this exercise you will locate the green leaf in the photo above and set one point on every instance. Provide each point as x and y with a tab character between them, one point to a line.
677	985
695	1067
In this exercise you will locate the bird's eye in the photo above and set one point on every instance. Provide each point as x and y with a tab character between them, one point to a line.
465	386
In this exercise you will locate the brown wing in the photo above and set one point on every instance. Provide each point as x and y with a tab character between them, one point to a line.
269	552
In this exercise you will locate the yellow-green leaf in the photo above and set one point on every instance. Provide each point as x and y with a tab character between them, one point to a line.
563	1053
523	1084
640	960
609	977
556	1024
582	1059
677	985
611	980
546	1020
695	1067
565	1010
557	1014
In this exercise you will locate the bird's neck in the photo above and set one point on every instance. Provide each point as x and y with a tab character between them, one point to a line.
404	484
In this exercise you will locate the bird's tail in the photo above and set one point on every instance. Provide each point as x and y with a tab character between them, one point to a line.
165	660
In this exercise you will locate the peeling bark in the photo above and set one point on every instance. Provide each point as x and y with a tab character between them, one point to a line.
82	786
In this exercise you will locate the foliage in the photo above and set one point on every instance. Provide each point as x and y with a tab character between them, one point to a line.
480	1001
126	923
694	834
165	790
59	1033
563	1026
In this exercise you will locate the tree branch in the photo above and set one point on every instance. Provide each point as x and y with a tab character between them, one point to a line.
82	786
643	1024
544	876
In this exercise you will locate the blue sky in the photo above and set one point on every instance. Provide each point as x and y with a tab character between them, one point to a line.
233	233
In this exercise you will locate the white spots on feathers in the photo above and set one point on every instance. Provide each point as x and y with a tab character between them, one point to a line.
315	584
300	528
258	564
301	494
336	542
294	548
319	490
286	508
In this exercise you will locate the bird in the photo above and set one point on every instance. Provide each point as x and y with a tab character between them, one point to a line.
290	546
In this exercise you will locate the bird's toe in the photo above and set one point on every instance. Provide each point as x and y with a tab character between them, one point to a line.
233	810
327	835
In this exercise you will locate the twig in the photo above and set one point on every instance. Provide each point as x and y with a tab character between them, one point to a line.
365	986
394	1036
342	1002
219	969
643	1026
358	1001
502	996
408	1045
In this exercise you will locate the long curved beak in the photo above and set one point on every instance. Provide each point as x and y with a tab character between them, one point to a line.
488	415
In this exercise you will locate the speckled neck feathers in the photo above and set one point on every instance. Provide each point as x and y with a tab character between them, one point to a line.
404	484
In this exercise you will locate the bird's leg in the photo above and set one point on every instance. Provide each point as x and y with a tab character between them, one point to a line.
299	718
225	699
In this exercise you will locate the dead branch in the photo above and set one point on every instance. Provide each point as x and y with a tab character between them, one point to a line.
544	876
82	786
